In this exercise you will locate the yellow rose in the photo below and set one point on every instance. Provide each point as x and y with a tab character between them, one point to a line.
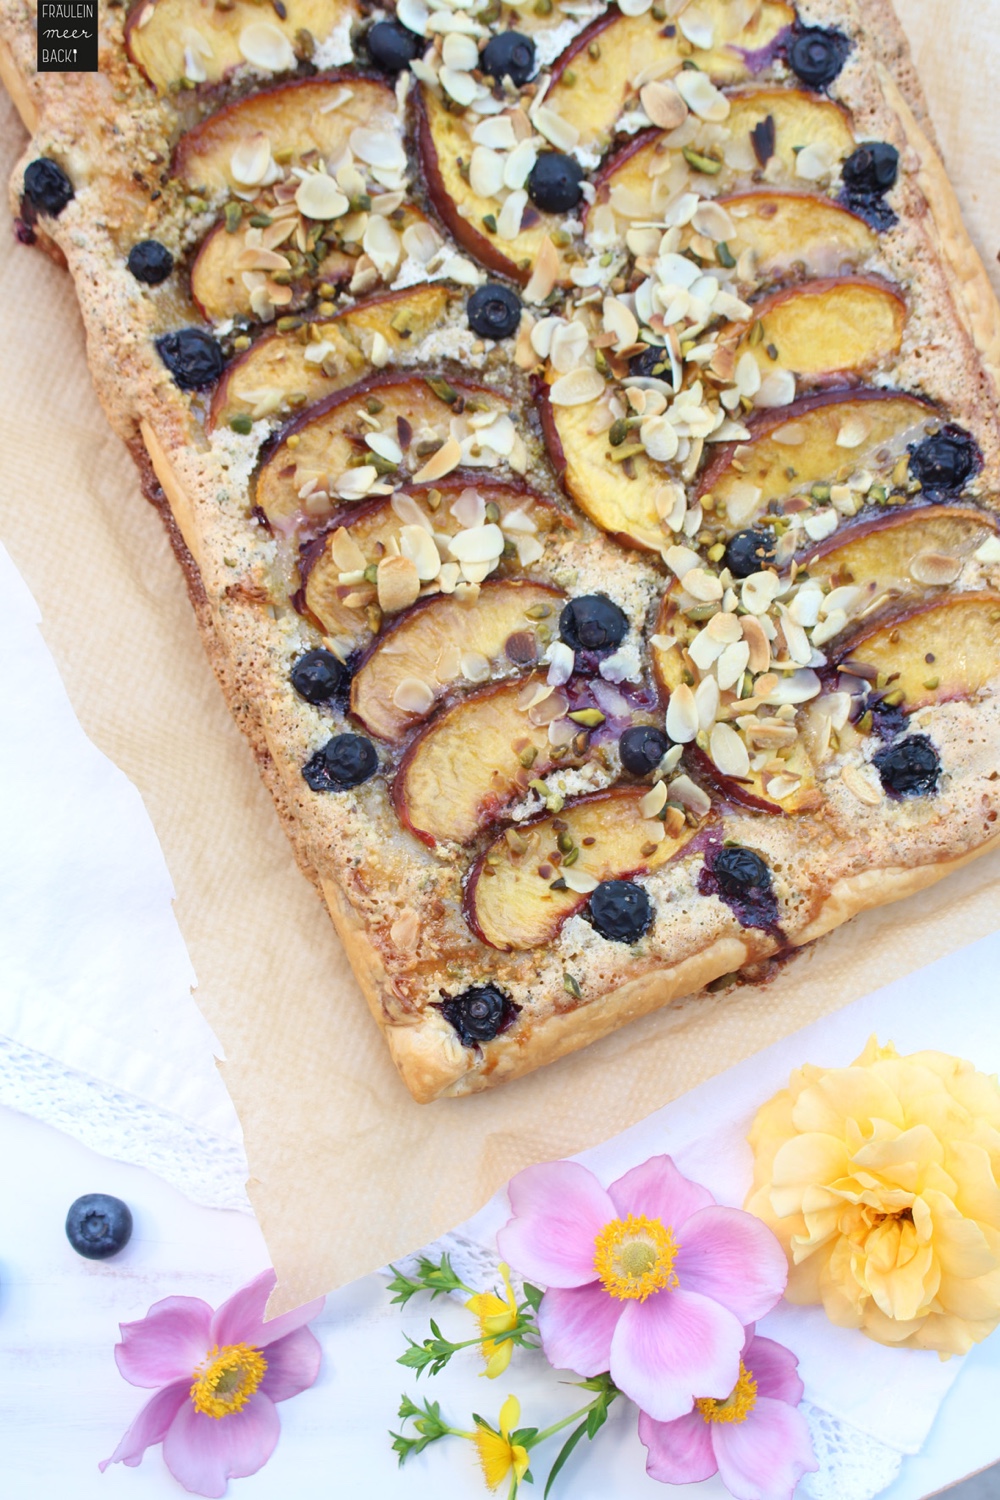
882	1181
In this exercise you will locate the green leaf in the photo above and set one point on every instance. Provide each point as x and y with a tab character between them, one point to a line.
596	1420
407	1408
564	1453
403	1446
403	1287
534	1295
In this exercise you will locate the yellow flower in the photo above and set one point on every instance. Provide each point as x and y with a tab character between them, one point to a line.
497	1454
496	1315
882	1181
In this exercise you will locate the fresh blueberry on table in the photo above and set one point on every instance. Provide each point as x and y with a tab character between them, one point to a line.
98	1226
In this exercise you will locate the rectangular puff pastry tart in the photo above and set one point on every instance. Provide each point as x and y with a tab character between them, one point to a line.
579	429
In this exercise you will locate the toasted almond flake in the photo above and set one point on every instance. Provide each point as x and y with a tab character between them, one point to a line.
529	550
447	457
663	104
405	931
559	132
771	734
448	578
544	276
345	551
796	639
989	552
385	446
824	523
728	751
706	697
759	646
449	663
780	787
561	663
251	161
670	503
509	219
747	374
517	168
705	651
935	568
797	688
654	800
486	172
724	627
383	245
421	242
417	544
777	388
461	86
697	26
378	148
861	785
475	667
460	52
478	544
790	435
807	603
713	221
319	197
702	585
701	96
844	598
732	664
397	582
759	591
568	347
682	715
496	133
355	483
413	696
853	431
265	46
681	561
742	501
580	881
683	790
414	15
659	438
577	388
620	321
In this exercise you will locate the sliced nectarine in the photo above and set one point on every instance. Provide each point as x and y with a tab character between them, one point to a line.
843	325
283	371
948	648
409	415
598	74
217	285
510	902
820	439
377	527
173	41
444	645
789	232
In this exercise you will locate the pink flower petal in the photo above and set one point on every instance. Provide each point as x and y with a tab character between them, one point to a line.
167	1343
559	1210
292	1364
240	1320
658	1190
733	1258
577	1324
673	1347
150	1425
202	1453
679	1452
764	1457
775	1370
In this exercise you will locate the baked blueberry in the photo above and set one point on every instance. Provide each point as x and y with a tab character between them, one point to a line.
909	768
749	551
641	748
345	761
945	461
479	1014
192	356
46	186
494	311
592	623
740	871
392	47
555	183
816	55
317	675
511	55
652	361
620	911
151	262
98	1226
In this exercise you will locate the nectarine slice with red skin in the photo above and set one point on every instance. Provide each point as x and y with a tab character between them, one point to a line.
217	287
155	33
421	647
834	326
793	447
877	554
295	116
509	900
276	360
797	232
943	649
614	49
373	526
332	432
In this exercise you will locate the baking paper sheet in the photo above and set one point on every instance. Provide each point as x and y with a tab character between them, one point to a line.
346	1171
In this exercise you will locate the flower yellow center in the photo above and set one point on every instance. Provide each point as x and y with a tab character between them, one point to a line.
634	1257
226	1379
738	1404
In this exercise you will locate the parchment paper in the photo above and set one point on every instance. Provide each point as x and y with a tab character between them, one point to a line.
347	1172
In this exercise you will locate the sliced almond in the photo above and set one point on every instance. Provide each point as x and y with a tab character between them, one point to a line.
779	787
861	785
417	544
545	275
706	698
682	715
702	585
319	197
398	583
578	388
475	667
265	46
663	104
449	663
580	881
345	551
935	568
447	457
413	696
479	544
654	800
853	431
701	96
732	664
759	658
759	591
728	751
405	931
683	790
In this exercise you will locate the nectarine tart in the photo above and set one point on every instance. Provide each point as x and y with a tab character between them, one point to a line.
578	425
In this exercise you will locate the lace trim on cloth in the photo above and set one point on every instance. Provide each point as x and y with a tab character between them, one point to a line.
852	1465
208	1169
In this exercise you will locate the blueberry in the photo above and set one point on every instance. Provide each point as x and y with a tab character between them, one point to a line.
511	55
192	356
945	461
749	551
46	186
641	748
653	360
555	183
151	262
592	623
817	55
494	311
740	871
910	768
345	761
392	47
479	1014
98	1226
871	170
620	911
317	676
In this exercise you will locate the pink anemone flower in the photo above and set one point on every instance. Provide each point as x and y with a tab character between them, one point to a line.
217	1376
755	1440
649	1278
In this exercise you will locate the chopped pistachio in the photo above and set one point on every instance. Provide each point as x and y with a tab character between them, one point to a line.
529	756
700	162
241	423
590	717
571	986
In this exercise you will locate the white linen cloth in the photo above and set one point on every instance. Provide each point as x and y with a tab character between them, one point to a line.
99	1035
